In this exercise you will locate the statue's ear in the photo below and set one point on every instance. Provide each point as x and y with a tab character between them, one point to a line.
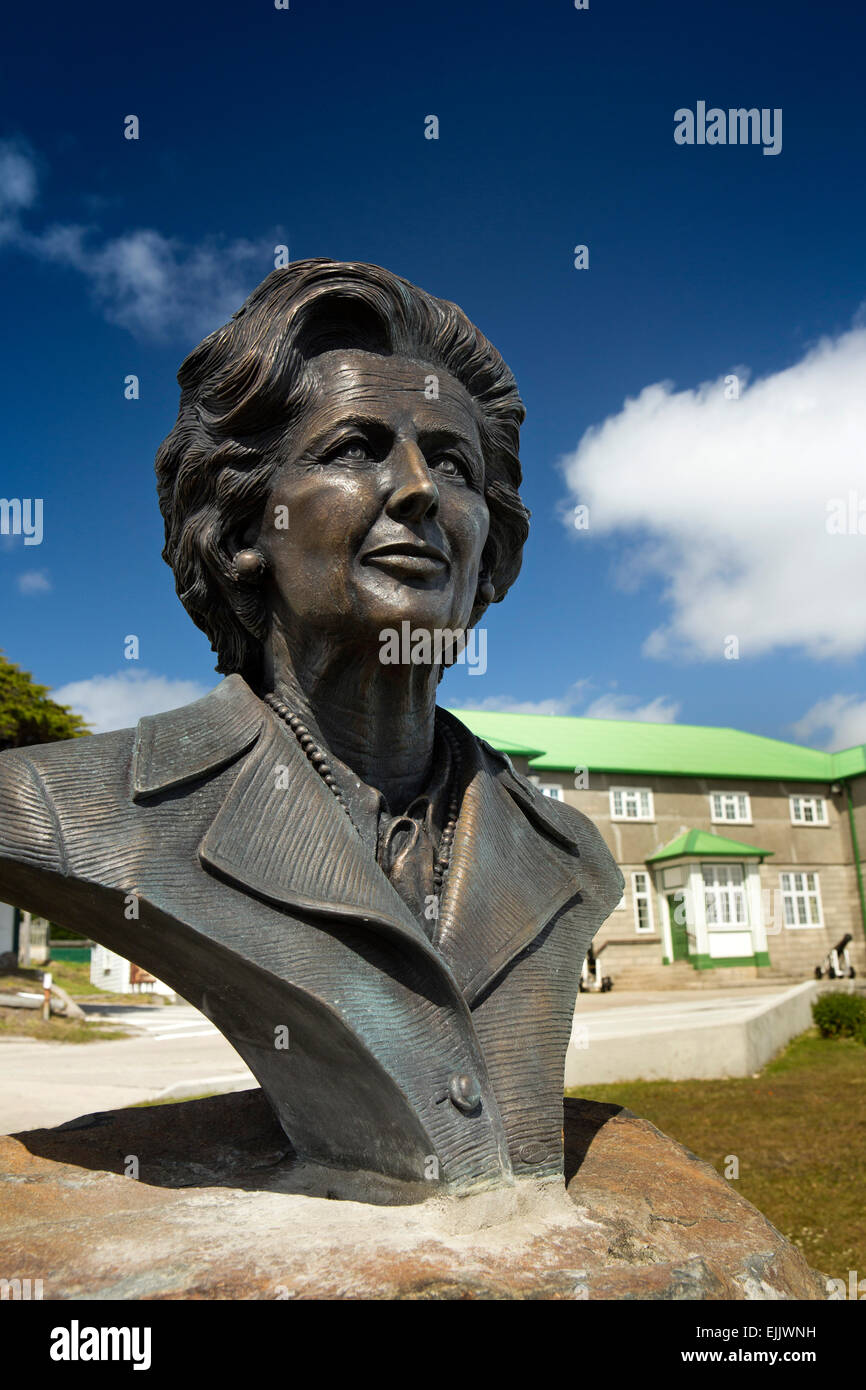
242	537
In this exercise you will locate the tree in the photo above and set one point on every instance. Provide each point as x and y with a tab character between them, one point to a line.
27	715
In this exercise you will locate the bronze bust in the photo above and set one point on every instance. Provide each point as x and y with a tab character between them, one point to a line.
382	917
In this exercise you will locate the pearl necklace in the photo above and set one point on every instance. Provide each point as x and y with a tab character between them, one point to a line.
318	760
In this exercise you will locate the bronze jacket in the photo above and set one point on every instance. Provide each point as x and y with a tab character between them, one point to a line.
204	847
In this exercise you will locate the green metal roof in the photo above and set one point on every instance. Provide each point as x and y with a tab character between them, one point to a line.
707	845
671	750
518	750
851	762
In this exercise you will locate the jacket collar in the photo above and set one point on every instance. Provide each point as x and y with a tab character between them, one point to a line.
184	744
282	835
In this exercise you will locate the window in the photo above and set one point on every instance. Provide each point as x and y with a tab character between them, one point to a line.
551	790
801	900
631	803
643	903
724	895
808	810
730	806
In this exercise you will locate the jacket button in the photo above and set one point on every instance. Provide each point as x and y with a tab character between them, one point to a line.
465	1092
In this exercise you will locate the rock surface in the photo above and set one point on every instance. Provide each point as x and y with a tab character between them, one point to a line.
222	1209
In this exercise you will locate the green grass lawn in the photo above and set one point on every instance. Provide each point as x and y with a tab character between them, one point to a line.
798	1130
28	1023
74	977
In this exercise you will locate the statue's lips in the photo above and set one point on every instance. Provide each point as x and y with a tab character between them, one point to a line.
402	558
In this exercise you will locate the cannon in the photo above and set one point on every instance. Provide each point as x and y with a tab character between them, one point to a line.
837	964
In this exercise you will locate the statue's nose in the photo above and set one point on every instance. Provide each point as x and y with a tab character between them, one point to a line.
414	495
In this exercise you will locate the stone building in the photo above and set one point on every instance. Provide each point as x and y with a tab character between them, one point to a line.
742	855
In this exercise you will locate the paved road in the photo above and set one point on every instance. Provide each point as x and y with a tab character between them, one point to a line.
47	1083
161	1024
177	1049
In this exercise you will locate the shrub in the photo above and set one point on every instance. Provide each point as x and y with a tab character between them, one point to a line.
840	1015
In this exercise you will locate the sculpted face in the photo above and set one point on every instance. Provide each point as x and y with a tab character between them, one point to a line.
386	512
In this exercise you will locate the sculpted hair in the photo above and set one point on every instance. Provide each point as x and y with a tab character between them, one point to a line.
247	385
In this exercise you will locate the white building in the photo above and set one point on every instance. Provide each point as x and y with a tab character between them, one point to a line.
114	973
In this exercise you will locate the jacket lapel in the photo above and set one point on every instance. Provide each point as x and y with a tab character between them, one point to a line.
283	835
514	866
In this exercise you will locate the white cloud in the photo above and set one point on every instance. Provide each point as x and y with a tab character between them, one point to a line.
505	704
660	710
154	285
17	185
726	503
143	281
119	701
562	704
34	582
838	721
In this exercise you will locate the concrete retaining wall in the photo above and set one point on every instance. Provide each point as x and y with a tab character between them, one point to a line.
737	1047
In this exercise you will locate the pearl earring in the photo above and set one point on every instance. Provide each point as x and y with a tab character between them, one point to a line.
249	566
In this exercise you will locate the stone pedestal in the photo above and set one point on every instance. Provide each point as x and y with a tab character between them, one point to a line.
222	1209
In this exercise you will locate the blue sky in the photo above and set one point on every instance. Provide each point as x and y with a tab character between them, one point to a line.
707	515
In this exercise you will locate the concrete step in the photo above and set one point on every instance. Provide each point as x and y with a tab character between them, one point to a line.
700	979
683	976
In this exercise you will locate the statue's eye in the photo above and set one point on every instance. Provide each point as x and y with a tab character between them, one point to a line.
450	465
357	449
354	450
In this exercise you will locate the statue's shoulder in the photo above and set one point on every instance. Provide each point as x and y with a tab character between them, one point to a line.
197	734
89	755
34	779
71	761
46	788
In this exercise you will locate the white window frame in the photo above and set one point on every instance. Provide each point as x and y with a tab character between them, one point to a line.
719	818
551	789
797	898
642	895
725	893
637	794
818	804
